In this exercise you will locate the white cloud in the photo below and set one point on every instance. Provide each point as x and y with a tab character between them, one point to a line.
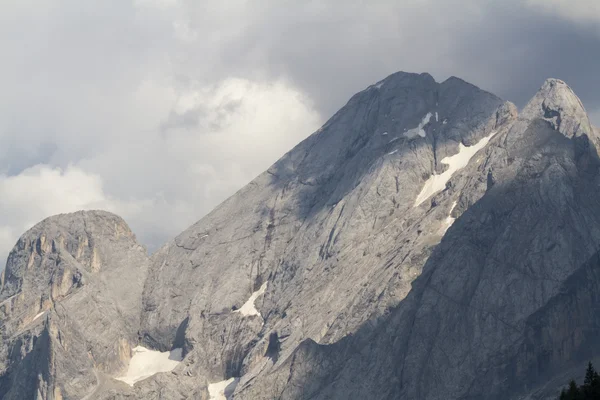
144	118
214	140
202	145
41	191
155	3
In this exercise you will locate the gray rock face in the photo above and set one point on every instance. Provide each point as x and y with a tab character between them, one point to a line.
426	243
506	302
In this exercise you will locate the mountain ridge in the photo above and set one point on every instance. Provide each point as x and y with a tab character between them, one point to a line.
333	233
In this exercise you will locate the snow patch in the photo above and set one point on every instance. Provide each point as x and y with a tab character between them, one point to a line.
146	363
384	133
436	117
222	390
393	152
379	85
436	183
39	315
445	122
394	139
203	236
419	131
248	308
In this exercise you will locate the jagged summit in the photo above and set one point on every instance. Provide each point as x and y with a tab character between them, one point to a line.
57	235
81	214
556	103
422	76
401	76
455	80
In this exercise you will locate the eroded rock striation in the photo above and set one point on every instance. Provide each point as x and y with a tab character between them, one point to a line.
426	243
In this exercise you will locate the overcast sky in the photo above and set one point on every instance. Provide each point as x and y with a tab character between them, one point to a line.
160	109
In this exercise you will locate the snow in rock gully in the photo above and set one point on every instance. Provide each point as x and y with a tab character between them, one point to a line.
222	390
419	131
436	183
249	308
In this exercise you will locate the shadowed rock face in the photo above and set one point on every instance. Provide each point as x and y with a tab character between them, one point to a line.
365	293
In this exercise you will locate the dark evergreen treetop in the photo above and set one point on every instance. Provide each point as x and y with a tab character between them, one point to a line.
590	390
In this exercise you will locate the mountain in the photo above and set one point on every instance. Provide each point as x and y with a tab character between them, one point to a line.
428	242
507	301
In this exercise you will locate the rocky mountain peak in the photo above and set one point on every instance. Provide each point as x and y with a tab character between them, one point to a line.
65	238
556	103
74	280
403	78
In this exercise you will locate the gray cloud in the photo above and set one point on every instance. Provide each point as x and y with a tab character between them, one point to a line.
506	47
159	109
513	50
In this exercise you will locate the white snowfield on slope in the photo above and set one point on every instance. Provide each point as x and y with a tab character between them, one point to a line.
419	131
146	363
249	308
222	390
437	183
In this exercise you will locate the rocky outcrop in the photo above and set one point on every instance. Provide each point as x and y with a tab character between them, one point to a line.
70	303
